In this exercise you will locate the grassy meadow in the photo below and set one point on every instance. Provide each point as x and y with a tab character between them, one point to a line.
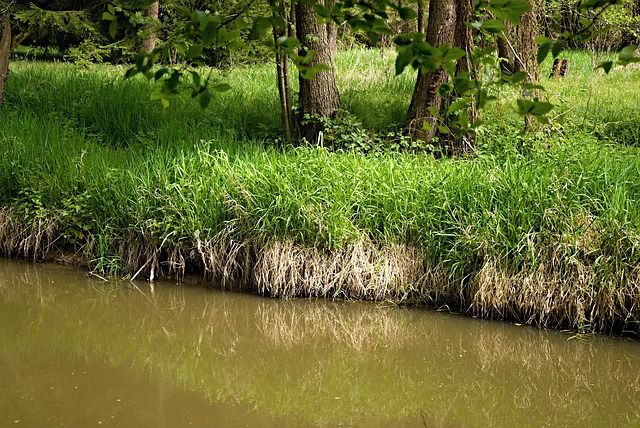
541	228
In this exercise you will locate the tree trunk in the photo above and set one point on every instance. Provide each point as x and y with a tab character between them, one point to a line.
421	22
519	46
506	53
464	40
446	25
570	20
440	30
282	74
5	53
149	43
318	96
332	31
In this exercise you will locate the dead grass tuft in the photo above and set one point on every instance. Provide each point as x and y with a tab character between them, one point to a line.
29	239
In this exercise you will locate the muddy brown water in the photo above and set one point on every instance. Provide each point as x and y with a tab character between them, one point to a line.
79	352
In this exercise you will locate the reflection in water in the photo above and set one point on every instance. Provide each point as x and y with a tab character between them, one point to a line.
199	354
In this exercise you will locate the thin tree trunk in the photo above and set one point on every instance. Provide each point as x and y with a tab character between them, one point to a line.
569	20
318	96
291	28
332	31
5	53
421	22
282	75
508	59
464	40
149	43
519	48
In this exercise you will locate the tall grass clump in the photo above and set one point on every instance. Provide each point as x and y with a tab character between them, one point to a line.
543	229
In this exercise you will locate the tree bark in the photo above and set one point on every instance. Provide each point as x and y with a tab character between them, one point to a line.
149	43
446	25
282	74
570	20
332	31
519	47
5	53
318	96
440	30
421	22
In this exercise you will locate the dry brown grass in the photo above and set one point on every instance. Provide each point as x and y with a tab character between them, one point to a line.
556	293
29	239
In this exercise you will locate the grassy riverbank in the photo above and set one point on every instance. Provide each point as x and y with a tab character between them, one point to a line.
543	229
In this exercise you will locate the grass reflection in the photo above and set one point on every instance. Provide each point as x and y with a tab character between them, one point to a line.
319	362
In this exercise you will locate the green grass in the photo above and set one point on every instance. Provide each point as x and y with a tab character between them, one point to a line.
88	151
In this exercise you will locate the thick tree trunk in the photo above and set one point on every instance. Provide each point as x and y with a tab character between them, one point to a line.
446	25
519	47
318	96
5	53
149	43
441	29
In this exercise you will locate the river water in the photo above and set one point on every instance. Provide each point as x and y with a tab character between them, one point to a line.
81	352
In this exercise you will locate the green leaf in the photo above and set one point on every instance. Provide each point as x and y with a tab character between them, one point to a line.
209	34
534	107
195	76
322	11
445	89
627	55
159	95
518	77
310	73
113	28
493	25
205	99
194	51
513	9
260	26
463	84
407	13
404	58
606	66
221	87
556	49
160	73
131	72
288	42
544	46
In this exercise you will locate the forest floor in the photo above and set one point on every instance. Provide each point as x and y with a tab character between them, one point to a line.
542	228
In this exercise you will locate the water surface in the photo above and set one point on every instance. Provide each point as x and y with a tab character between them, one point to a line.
79	352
